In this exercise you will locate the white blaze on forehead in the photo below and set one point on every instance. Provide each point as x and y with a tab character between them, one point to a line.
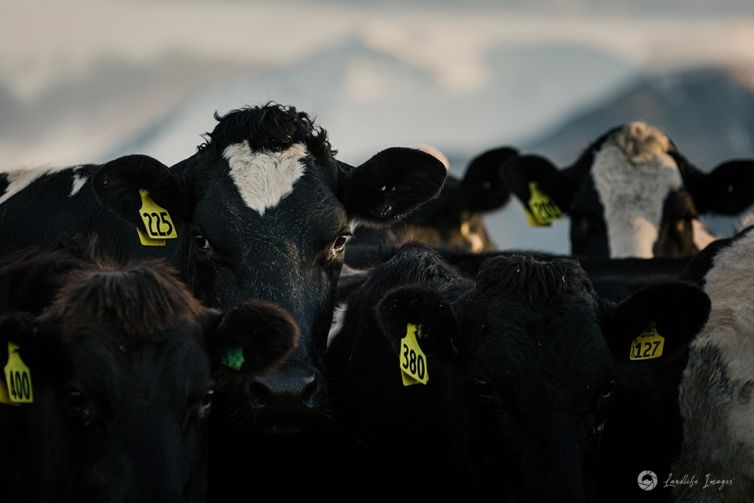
78	182
264	178
633	175
19	179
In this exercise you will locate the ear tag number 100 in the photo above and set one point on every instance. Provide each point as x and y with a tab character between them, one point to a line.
17	387
413	361
157	222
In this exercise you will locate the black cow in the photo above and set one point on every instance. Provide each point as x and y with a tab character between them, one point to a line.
262	210
632	194
454	220
119	372
522	362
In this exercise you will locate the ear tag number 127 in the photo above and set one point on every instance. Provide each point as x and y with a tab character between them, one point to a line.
18	387
413	361
157	222
542	209
648	346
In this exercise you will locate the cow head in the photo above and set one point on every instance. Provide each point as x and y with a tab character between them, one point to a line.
120	369
266	213
632	194
543	357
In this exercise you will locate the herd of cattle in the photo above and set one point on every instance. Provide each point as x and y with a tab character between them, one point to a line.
263	320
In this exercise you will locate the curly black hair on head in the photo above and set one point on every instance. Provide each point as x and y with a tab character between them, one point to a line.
272	127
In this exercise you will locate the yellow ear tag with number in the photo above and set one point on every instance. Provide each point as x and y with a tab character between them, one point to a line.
542	209
412	360
157	222
648	345
17	378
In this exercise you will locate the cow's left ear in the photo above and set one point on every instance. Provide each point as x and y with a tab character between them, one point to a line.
36	341
728	189
117	185
423	308
483	187
390	185
656	324
256	336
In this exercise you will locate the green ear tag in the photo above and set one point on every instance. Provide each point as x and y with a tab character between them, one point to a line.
648	345
157	222
412	360
234	358
542	210
17	378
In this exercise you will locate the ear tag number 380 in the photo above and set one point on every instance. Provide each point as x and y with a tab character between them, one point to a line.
648	345
17	386
413	361
157	222
542	210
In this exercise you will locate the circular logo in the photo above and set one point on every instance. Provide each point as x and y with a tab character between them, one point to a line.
647	480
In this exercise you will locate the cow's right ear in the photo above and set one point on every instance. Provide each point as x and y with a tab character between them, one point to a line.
424	308
527	172
255	336
483	187
117	185
36	340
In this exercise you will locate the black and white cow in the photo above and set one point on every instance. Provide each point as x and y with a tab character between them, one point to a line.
118	375
633	194
454	220
263	210
522	362
717	391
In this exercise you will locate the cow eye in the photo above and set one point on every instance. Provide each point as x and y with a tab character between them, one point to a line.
202	243
340	243
205	404
79	406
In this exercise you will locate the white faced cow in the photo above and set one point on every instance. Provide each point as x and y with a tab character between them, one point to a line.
632	194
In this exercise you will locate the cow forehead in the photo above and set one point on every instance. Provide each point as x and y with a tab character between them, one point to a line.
264	178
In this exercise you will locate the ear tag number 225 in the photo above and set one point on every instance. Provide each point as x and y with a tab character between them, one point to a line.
157	222
17	387
648	346
413	361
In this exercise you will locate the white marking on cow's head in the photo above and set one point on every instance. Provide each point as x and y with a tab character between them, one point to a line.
78	182
264	178
633	175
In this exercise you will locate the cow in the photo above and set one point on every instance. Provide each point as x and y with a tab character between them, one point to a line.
262	210
454	220
109	377
520	364
716	390
631	193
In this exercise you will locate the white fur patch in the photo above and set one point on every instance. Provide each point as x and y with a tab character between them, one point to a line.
19	179
337	322
632	185
78	182
702	237
264	178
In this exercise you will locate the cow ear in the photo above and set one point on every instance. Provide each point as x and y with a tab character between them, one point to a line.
390	185
424	308
38	345
483	187
256	336
524	172
728	189
656	324
118	182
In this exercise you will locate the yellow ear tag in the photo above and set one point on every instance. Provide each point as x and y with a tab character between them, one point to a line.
145	241
157	221
648	345
542	210
412	359
17	377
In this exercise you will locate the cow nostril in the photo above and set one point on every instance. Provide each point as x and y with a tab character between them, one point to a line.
259	394
309	391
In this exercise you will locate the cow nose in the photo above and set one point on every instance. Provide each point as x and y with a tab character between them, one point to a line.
288	397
